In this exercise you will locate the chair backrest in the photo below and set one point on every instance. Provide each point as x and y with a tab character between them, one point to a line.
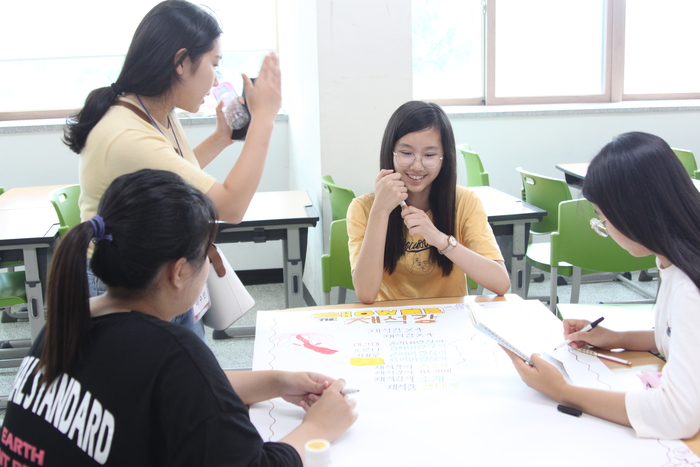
688	160
545	193
335	266
575	242
65	201
12	288
340	197
476	175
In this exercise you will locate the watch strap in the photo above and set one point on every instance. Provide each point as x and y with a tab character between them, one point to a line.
451	243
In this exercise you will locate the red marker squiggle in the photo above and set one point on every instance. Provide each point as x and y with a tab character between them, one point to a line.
315	348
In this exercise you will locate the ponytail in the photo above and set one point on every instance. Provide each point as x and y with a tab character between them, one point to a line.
68	318
149	68
145	220
80	125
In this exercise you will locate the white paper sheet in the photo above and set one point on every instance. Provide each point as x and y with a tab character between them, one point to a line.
434	391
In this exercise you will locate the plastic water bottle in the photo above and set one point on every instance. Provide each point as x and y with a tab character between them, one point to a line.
237	115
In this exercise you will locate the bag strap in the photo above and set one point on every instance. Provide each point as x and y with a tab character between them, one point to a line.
216	261
134	109
147	119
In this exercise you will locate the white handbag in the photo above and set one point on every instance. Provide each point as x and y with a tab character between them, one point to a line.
229	298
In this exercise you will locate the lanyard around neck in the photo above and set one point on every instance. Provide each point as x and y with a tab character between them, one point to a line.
155	124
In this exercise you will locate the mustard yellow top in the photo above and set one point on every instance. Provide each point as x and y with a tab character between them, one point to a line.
415	275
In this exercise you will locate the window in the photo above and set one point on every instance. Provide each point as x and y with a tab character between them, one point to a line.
448	43
554	50
661	44
51	61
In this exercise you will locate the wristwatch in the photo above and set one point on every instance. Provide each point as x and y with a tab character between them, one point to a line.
451	243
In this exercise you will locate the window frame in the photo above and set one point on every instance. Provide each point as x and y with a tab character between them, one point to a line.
16	115
613	64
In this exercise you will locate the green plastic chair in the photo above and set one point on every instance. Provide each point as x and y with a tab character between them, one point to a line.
335	266
65	201
339	196
12	294
577	244
476	175
12	290
688	160
545	193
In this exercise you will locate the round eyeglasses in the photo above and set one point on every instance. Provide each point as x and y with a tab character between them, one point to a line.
599	227
406	159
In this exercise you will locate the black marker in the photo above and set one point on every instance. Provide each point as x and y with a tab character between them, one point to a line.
569	410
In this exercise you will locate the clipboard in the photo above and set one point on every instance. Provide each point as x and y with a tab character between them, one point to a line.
476	313
523	327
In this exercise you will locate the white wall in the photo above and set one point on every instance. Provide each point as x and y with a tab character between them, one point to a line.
538	143
33	159
339	89
299	63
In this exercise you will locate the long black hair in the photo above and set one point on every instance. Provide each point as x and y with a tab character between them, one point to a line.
410	117
149	68
154	217
641	186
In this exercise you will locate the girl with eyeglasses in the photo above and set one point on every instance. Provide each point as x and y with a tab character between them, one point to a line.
131	125
649	205
419	233
110	381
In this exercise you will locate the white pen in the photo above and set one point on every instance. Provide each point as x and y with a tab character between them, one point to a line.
347	391
585	329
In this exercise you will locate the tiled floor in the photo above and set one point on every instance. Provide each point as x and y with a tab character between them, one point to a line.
238	352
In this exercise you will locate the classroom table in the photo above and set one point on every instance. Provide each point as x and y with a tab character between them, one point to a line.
28	232
574	174
474	439
279	215
511	217
626	317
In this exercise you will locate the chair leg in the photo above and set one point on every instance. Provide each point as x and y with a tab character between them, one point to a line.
553	290
341	295
635	287
645	275
575	285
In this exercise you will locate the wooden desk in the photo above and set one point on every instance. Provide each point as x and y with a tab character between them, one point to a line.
28	232
279	215
488	417
510	216
575	173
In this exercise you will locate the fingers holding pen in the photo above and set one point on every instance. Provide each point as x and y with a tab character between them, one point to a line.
333	413
389	190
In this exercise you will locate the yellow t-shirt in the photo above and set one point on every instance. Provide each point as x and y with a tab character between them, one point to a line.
415	275
123	142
